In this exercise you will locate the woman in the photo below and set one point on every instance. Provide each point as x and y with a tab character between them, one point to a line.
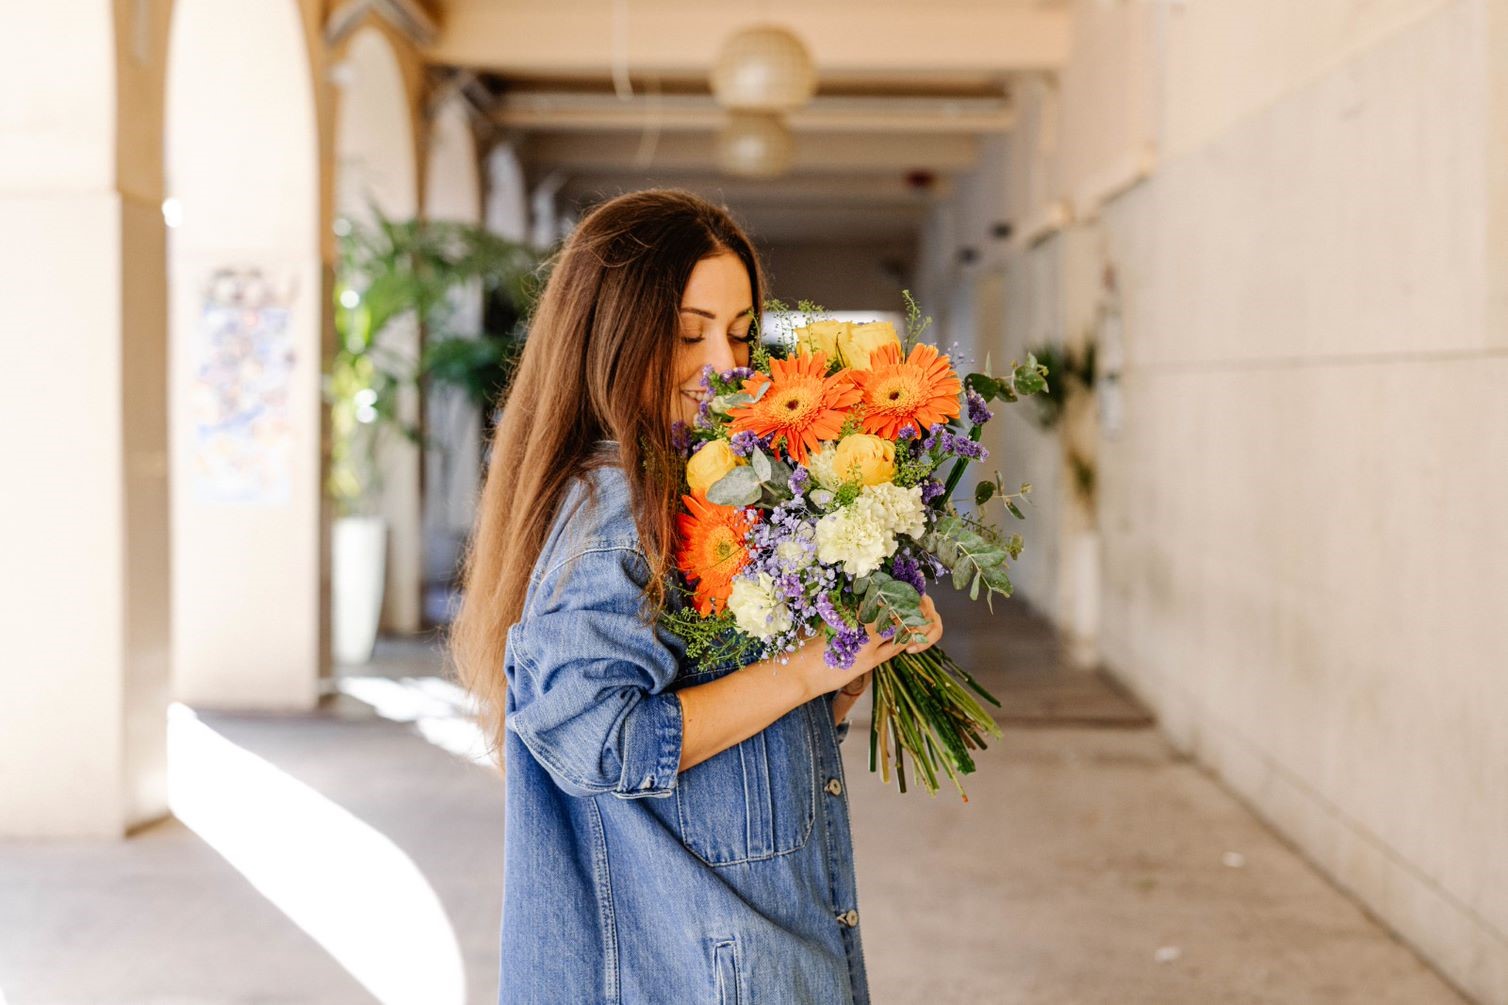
673	835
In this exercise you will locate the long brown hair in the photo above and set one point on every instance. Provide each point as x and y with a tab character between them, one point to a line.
598	363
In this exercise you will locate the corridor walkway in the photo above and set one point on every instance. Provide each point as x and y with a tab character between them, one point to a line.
1092	866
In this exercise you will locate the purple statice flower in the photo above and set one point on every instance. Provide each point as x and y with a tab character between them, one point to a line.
680	437
828	613
743	443
844	646
797	481
906	432
931	489
908	570
965	447
979	412
737	373
934	432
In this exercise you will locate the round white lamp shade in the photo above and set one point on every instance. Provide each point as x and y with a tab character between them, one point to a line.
763	68
754	145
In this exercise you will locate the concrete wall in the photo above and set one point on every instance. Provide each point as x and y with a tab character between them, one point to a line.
1302	514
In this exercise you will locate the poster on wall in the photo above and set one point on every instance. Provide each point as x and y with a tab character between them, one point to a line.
240	390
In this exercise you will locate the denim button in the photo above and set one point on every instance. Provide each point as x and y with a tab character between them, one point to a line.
834	787
849	918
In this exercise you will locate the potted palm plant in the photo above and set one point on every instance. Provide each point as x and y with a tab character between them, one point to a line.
392	273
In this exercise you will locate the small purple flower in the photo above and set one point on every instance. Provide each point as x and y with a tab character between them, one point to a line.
844	646
908	570
931	489
797	481
743	443
829	613
680	436
935	432
979	412
906	432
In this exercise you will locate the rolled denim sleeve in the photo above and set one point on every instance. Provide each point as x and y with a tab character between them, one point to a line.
590	681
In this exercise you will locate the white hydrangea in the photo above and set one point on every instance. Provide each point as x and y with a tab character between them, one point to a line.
756	607
863	534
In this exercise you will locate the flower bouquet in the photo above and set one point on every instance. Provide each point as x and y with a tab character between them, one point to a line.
819	499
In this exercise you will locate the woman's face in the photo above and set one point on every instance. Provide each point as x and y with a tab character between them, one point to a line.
715	326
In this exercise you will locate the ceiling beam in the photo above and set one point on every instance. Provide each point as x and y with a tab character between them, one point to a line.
680	38
841	153
568	112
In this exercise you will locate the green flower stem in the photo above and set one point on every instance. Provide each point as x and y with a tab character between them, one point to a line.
974	433
920	701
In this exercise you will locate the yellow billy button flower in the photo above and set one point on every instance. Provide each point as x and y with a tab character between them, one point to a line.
710	463
872	456
859	342
821	336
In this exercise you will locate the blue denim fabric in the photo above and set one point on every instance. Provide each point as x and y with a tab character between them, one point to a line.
624	879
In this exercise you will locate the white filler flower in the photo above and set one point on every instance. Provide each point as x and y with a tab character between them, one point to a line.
756	608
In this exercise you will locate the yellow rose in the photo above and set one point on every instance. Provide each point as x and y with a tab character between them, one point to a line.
821	336
859	341
873	457
709	464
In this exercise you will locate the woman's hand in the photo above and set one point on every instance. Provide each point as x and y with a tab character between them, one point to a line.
823	678
722	712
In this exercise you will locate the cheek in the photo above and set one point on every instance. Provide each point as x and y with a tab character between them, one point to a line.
689	362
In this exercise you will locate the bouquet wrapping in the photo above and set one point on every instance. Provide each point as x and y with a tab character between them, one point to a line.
819	498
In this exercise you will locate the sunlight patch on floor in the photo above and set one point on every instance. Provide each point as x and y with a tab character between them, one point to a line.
441	711
344	883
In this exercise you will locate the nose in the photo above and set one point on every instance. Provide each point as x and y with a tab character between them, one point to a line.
720	353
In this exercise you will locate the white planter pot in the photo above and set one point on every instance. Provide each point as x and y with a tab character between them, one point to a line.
1084	612
358	552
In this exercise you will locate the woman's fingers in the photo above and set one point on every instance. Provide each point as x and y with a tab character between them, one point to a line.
933	630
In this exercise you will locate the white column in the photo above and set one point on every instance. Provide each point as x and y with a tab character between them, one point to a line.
84	511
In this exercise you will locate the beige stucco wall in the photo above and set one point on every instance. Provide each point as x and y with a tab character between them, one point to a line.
1302	514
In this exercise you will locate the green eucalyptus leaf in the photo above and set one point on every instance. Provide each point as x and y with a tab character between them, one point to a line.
760	462
1015	510
739	487
982	493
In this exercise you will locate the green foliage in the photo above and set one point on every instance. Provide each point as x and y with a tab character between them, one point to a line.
885	600
712	640
763	482
975	556
916	324
395	272
913	468
1074	372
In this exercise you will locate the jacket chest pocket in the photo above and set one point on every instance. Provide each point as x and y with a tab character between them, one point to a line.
754	800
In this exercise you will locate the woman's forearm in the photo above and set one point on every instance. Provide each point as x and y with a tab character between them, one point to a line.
732	708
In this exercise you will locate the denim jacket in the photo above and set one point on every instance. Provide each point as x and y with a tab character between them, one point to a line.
625	880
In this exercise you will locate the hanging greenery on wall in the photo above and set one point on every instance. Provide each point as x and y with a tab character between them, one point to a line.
1073	369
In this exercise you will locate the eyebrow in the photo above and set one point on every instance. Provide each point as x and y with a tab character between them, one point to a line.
709	314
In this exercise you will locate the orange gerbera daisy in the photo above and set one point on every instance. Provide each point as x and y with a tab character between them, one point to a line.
801	407
711	550
917	391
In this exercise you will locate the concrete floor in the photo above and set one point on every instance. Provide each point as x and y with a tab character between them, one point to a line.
1091	865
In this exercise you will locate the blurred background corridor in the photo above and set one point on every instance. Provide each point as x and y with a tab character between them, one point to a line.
1255	671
